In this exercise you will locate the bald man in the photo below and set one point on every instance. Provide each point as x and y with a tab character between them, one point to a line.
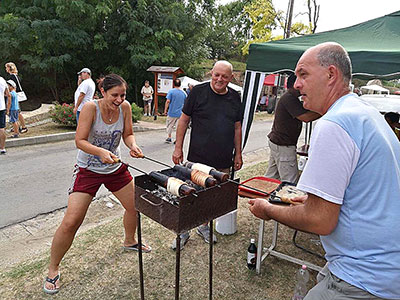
215	140
352	179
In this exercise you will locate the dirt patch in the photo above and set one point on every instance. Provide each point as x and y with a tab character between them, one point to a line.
22	241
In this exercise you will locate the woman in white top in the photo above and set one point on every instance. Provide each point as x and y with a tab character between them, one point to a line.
147	92
102	124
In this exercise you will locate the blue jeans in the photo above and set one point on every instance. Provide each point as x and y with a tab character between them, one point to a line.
77	117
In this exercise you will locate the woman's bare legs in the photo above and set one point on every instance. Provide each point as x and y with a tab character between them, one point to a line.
126	196
78	204
21	120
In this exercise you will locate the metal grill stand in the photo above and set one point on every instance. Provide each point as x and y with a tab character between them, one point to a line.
177	263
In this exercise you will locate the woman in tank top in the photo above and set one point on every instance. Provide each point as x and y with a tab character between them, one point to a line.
102	125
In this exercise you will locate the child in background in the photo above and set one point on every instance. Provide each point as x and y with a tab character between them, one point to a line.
13	107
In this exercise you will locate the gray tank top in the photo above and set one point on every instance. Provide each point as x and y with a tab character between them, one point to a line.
107	136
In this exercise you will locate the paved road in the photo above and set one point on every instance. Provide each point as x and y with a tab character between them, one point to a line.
34	179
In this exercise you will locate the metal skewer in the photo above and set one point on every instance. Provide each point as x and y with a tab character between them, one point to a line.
161	163
156	161
120	161
249	187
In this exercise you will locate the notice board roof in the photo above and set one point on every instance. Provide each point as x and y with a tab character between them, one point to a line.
165	69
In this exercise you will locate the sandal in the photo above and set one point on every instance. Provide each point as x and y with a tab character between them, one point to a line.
145	248
53	282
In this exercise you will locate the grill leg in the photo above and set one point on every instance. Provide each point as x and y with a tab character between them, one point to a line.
211	256
139	233
177	265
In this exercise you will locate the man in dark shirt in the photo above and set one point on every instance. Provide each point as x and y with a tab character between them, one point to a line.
286	129
215	140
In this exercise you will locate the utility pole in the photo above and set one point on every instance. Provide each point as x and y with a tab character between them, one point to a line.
289	16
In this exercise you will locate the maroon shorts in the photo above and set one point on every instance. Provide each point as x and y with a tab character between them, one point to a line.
89	182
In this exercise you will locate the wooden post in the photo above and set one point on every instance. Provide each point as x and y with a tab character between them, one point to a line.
155	94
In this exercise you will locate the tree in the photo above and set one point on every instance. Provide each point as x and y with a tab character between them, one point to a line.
39	41
313	14
51	40
228	29
264	19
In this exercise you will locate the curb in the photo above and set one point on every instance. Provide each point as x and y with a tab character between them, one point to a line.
58	137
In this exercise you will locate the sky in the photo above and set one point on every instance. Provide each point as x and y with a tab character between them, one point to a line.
336	14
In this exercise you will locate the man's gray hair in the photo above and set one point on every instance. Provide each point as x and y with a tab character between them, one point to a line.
224	62
335	54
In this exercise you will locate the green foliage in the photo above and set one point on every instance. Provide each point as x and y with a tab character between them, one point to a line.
137	112
299	28
51	40
392	83
228	29
264	18
63	114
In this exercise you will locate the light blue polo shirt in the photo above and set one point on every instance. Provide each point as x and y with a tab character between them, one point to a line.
354	161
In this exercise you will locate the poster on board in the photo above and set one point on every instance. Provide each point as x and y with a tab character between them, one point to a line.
164	83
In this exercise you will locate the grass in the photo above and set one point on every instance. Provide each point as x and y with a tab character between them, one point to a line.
44	129
160	119
96	267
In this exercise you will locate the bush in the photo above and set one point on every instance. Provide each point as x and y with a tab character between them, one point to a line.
63	114
137	112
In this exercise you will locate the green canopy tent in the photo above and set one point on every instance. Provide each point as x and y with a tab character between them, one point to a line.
373	46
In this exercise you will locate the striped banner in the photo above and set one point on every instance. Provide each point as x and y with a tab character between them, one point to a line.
253	83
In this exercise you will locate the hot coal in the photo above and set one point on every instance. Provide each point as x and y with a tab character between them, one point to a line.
163	194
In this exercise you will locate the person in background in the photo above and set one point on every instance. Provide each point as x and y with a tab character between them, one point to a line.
352	180
262	104
13	107
147	92
216	137
173	107
12	70
392	119
4	93
286	129
271	102
77	94
103	124
85	90
189	89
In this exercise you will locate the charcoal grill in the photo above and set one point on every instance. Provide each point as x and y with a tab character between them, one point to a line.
187	213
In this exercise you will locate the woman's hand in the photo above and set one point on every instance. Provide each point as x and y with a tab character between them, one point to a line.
108	157
136	151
